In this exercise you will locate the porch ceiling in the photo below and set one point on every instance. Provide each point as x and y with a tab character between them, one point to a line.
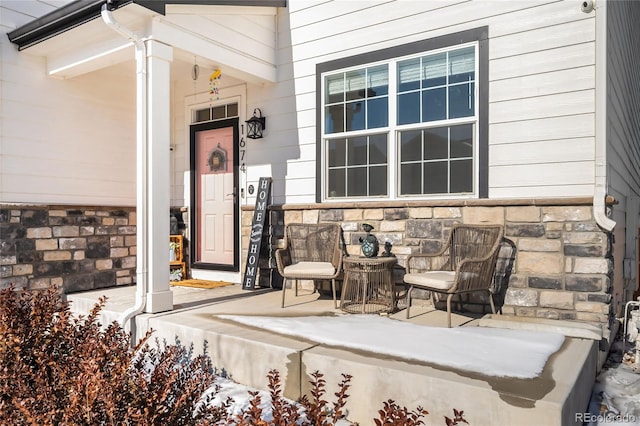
240	40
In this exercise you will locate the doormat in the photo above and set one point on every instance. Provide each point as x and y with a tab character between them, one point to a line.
200	283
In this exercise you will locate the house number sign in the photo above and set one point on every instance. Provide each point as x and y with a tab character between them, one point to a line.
243	151
255	238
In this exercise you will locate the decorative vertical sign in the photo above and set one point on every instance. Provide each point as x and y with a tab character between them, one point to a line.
255	238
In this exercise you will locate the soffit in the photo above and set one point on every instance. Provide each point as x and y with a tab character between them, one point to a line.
240	40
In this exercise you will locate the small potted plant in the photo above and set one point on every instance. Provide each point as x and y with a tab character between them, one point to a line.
175	275
172	250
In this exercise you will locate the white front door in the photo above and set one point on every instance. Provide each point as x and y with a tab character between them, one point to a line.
216	233
215	245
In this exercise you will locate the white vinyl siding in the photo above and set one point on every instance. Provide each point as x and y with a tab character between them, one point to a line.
63	141
541	79
543	129
541	91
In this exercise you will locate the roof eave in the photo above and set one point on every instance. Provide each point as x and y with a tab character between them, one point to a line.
56	22
82	11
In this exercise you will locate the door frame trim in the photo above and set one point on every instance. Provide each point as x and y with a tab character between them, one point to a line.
193	129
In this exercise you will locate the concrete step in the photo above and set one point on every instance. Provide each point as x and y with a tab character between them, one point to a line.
248	354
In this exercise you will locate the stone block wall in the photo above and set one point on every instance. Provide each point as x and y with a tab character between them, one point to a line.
77	248
562	269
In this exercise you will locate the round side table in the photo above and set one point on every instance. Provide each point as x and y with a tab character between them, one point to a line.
368	286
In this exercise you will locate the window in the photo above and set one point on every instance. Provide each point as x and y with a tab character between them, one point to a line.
436	160
357	166
355	101
405	122
216	113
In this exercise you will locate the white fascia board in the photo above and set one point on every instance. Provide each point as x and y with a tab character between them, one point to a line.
242	65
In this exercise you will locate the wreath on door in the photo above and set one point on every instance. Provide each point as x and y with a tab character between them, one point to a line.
218	160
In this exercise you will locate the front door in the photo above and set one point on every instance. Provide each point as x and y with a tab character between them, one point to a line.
214	182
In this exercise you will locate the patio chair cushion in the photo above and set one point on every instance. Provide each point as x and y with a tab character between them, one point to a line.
442	280
311	269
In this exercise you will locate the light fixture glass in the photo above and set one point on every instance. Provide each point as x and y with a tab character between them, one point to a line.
256	125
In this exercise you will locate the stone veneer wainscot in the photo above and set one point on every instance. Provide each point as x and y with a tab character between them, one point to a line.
562	270
78	248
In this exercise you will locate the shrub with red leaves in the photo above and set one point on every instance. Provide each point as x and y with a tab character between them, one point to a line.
57	369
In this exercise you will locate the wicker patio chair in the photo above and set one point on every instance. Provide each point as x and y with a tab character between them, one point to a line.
465	264
311	252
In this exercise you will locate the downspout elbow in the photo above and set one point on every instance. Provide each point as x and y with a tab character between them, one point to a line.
600	210
108	19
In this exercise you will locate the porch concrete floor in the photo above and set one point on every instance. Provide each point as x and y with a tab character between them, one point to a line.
248	354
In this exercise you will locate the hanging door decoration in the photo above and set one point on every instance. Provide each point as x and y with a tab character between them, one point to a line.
218	160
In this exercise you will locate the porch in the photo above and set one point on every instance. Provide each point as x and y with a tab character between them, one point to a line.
248	353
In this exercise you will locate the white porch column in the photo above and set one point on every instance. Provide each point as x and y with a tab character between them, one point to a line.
159	57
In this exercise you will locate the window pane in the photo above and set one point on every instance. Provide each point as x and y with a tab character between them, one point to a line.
337	153
203	115
378	149
462	141
365	93
378	180
434	104
409	108
461	100
336	183
355	84
378	81
232	110
411	145
219	112
334	88
435	177
434	70
436	143
462	176
355	116
409	75
334	119
462	65
377	113
357	151
411	179
357	182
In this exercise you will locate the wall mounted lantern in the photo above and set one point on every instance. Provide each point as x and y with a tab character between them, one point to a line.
256	124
